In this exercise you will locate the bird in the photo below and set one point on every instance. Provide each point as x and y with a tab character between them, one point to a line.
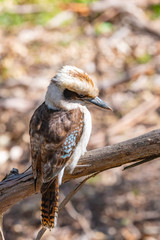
59	131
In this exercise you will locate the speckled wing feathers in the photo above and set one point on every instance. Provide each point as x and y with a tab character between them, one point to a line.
54	136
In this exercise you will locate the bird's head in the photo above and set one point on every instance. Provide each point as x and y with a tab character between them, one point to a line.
72	86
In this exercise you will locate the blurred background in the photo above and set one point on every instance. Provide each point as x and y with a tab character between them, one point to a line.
118	44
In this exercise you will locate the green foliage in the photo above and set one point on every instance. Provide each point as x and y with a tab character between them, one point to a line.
10	19
144	58
83	1
103	27
94	180
135	192
155	11
125	221
45	2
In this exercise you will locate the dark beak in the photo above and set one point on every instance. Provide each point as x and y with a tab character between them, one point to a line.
100	103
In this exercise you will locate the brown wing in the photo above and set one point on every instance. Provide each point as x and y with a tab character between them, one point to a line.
53	137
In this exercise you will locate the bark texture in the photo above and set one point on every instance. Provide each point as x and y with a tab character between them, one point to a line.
16	187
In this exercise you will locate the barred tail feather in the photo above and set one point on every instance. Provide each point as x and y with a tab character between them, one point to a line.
49	203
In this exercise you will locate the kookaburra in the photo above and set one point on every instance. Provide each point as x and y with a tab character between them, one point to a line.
59	133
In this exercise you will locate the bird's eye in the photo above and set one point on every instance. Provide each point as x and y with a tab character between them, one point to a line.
69	94
81	96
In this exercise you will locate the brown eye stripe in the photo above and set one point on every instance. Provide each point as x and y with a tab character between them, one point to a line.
70	94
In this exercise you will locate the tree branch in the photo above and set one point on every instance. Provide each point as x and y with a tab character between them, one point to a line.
16	187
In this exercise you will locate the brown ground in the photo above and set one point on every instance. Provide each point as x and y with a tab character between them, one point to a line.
124	59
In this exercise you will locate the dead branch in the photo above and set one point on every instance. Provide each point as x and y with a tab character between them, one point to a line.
16	187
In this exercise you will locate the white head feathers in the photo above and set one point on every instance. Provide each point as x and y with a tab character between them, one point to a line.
76	80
